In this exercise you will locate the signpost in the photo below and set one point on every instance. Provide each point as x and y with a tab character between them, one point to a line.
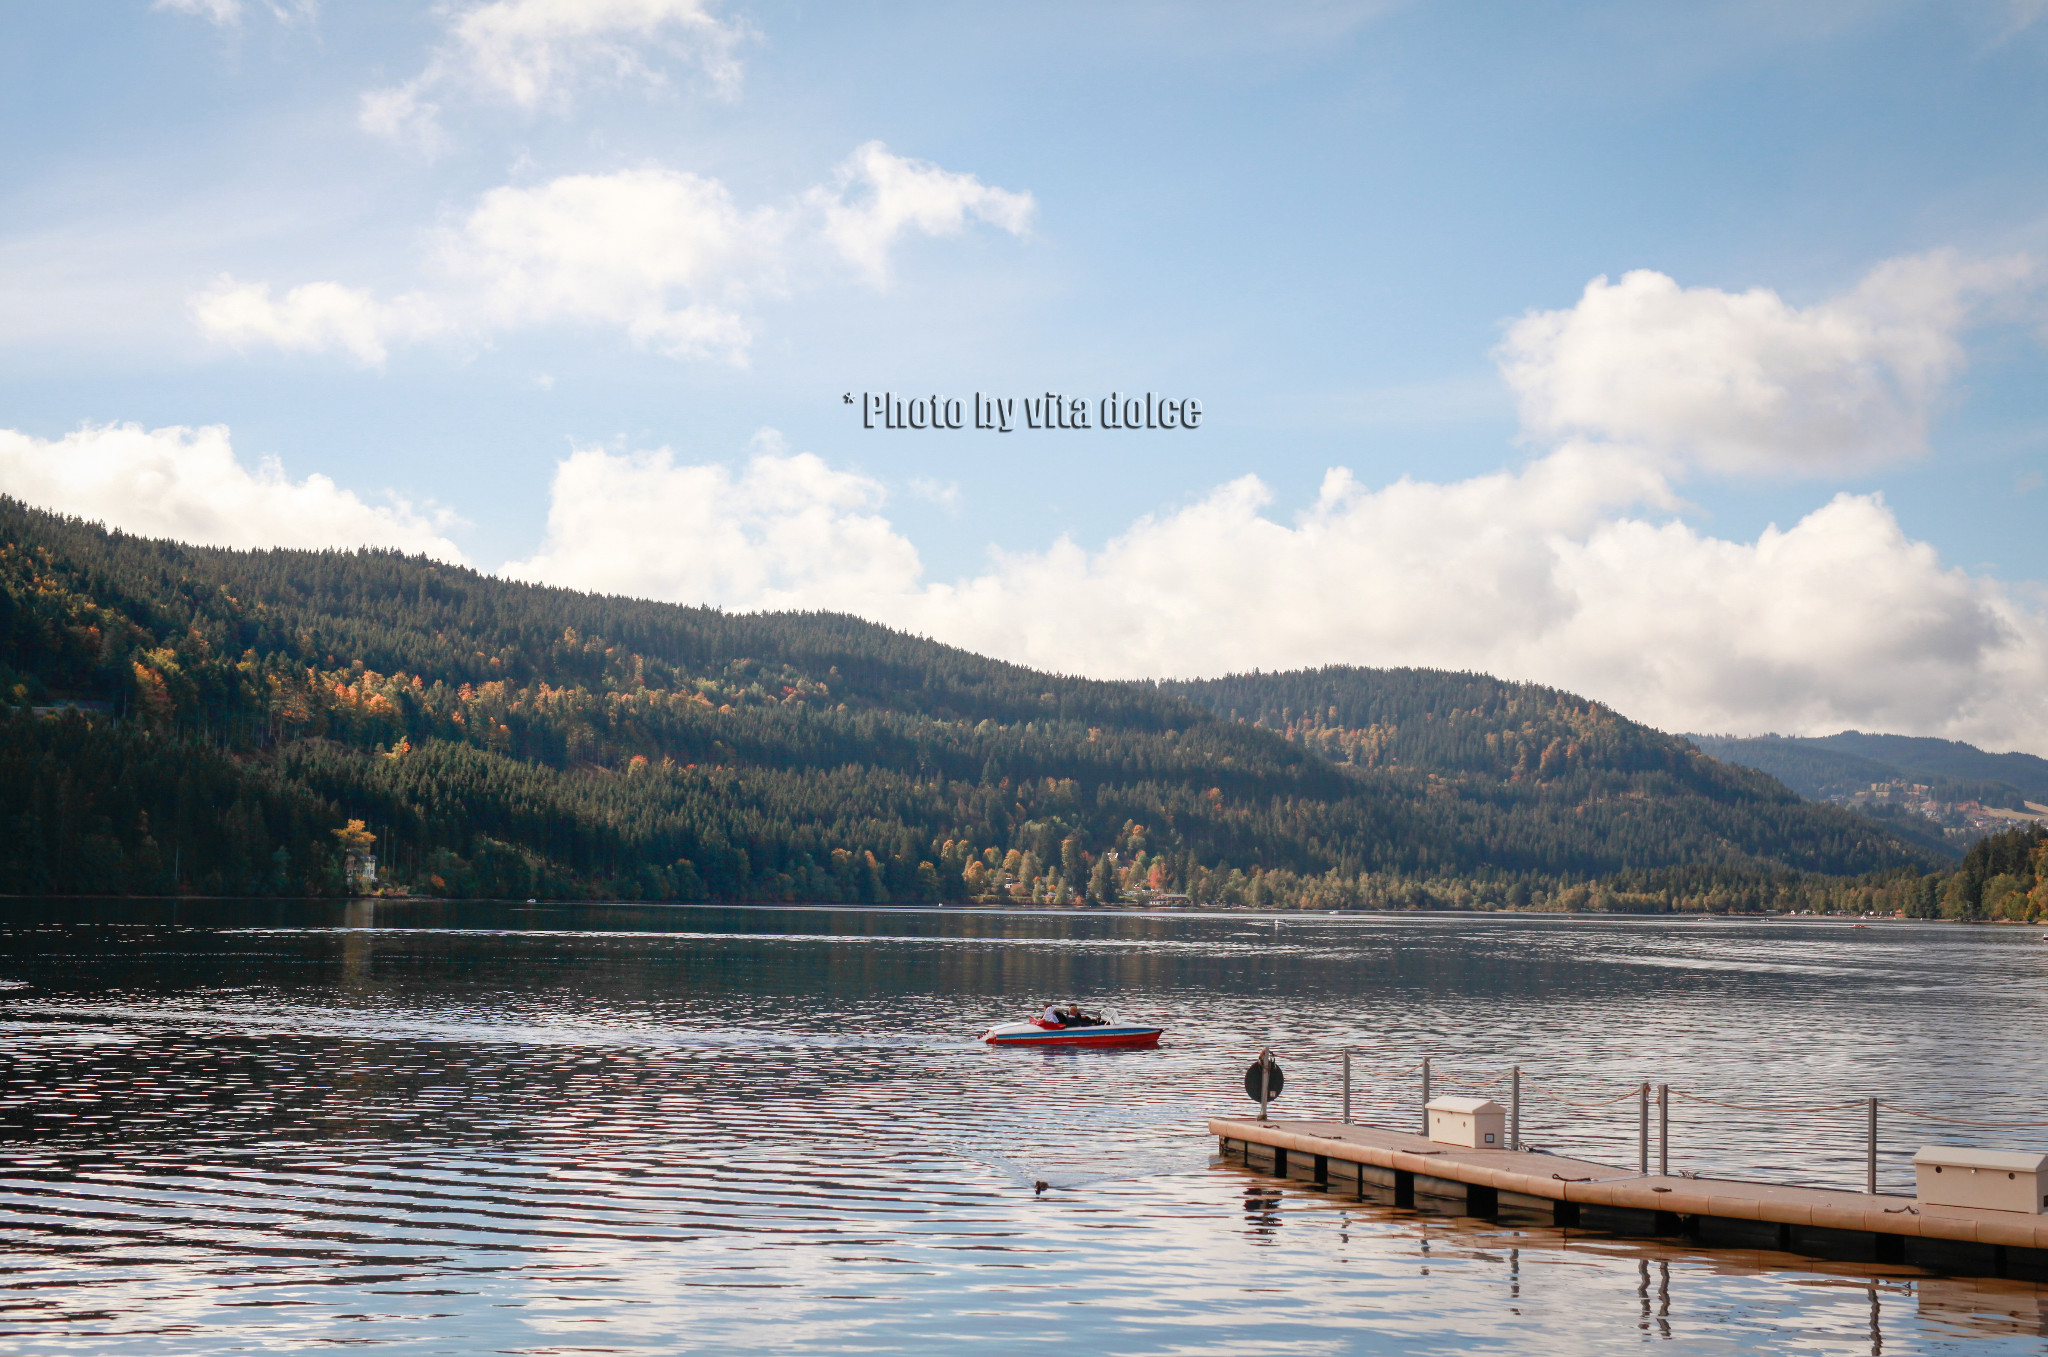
1264	1080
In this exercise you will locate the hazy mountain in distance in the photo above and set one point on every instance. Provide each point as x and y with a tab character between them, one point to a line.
1950	759
1828	766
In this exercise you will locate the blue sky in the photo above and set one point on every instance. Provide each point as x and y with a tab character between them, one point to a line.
587	291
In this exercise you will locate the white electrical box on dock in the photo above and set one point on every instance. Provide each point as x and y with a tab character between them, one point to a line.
1993	1180
1480	1123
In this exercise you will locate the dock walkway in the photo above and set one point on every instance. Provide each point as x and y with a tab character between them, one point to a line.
1411	1170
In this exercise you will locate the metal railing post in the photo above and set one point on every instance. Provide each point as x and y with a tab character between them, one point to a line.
1515	1110
1347	1085
1870	1153
1265	1081
1643	1129
1425	1095
1663	1130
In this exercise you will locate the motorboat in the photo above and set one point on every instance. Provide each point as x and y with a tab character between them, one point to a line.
1103	1032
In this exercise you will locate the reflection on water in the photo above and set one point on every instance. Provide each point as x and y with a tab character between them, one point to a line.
486	1129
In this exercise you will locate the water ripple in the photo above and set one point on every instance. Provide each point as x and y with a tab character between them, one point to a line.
435	1130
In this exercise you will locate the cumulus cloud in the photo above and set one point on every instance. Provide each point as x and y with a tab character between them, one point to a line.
188	484
308	319
620	249
1745	382
877	197
665	256
1570	571
1578	568
1549	573
787	531
536	53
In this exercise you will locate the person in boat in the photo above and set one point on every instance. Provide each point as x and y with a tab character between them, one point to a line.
1076	1018
1053	1017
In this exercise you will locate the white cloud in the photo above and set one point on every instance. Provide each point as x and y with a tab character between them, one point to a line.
788	531
1413	568
404	114
536	53
665	256
656	252
1744	382
878	196
528	50
1576	569
310	319
187	484
1840	620
1570	571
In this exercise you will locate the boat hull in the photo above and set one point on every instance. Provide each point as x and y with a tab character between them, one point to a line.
1112	1034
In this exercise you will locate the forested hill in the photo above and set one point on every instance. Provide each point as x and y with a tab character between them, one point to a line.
1538	759
505	739
1471	727
1837	765
1455	723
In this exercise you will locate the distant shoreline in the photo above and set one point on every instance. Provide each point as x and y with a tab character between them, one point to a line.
1049	911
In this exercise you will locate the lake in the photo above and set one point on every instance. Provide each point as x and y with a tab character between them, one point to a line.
441	1128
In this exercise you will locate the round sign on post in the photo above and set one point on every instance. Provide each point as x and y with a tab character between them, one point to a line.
1266	1070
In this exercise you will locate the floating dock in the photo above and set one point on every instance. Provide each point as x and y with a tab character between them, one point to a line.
1370	1164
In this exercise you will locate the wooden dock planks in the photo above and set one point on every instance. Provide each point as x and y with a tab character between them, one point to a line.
1333	1146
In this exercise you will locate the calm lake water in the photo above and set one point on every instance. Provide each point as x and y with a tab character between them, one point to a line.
260	1127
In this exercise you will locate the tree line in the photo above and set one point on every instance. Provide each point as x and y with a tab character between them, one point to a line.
496	739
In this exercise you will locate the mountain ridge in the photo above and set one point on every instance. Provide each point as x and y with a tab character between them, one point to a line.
500	738
1819	766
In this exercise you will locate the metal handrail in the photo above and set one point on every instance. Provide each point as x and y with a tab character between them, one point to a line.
1663	1093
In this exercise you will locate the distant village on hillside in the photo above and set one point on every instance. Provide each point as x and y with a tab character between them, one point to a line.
1963	821
1964	790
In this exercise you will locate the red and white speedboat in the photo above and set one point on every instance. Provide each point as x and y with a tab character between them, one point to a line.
1039	1032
